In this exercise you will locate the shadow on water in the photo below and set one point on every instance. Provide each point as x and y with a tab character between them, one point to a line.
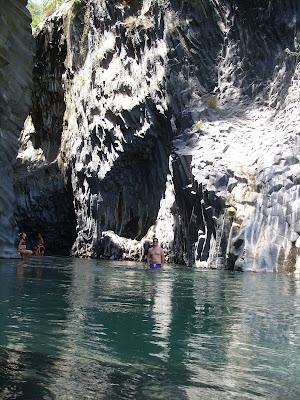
24	375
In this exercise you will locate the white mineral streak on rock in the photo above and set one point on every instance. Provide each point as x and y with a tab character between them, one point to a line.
16	54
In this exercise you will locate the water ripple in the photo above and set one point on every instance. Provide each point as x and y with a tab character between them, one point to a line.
87	329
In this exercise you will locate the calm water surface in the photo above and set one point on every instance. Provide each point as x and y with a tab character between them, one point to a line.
83	329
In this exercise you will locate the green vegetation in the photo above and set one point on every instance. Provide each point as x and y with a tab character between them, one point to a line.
198	125
140	22
44	9
36	13
78	3
212	101
86	28
49	6
292	53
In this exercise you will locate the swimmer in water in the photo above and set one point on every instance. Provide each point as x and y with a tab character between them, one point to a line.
156	256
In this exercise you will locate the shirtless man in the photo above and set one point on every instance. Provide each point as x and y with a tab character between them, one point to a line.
155	257
22	246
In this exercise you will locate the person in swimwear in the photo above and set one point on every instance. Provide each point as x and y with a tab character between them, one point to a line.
39	247
23	251
156	256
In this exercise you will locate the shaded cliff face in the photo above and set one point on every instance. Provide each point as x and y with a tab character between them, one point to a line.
199	95
44	198
16	52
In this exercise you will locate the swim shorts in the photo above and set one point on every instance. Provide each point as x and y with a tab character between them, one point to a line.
154	266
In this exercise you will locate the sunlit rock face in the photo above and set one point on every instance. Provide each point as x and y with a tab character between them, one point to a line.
118	138
241	151
178	119
102	118
16	52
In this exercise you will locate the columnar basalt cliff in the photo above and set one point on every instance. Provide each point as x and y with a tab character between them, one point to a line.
237	118
16	52
44	194
174	118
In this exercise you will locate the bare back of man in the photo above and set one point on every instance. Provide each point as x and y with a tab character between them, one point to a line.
23	251
156	257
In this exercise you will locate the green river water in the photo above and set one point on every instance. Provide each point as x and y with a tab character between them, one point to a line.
86	329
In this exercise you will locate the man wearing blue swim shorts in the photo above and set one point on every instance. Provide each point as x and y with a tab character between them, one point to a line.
155	257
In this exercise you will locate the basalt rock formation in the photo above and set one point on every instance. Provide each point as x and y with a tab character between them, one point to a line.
44	193
16	52
174	118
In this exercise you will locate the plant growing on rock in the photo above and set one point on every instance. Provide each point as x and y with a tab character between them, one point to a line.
36	13
292	53
50	6
132	3
41	11
212	101
78	3
86	27
140	22
198	126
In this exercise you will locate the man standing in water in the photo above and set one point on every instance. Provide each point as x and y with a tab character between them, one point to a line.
155	257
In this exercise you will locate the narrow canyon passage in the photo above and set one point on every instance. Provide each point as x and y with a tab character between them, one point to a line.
176	118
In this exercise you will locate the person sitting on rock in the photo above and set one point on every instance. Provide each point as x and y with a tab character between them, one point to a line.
23	251
39	247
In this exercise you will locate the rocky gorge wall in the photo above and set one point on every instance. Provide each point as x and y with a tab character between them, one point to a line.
241	138
16	52
44	194
176	118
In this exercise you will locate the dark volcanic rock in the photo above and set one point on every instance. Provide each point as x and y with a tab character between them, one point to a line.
174	118
16	52
45	204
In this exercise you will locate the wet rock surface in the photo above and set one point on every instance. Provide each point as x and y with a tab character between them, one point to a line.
178	119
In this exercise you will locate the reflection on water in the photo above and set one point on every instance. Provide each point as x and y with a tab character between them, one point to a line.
84	329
